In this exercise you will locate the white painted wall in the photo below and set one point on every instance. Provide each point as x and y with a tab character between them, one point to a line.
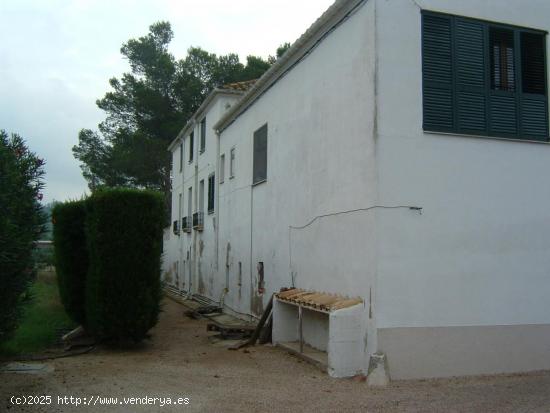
342	136
320	160
478	255
196	252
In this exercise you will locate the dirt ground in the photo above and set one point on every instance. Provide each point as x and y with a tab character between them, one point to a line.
180	362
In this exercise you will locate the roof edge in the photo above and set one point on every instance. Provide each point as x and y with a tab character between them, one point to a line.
311	37
192	120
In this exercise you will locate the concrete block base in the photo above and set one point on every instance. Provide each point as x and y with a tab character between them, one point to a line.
427	352
378	370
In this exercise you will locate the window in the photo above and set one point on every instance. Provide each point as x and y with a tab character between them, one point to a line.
533	63
201	196
211	192
203	135
483	78
181	157
222	168
191	146
189	203
503	72
260	155
232	163
179	207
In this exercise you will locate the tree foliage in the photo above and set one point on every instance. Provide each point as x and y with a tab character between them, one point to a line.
147	107
21	223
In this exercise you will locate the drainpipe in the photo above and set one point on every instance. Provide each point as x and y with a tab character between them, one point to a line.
191	258
217	202
217	218
182	208
196	144
251	243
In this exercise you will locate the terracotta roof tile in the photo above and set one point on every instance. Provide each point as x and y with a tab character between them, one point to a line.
317	300
242	86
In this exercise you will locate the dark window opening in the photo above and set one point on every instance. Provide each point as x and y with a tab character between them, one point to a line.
232	163
503	72
261	281
532	64
191	146
260	155
203	135
211	192
240	277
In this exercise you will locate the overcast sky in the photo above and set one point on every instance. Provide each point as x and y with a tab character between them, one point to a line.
56	57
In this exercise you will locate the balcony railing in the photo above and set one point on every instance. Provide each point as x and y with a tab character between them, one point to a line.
176	228
198	221
186	224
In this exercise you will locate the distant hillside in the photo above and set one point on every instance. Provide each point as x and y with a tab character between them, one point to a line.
48	233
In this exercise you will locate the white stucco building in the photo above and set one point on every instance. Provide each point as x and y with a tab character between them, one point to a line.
397	152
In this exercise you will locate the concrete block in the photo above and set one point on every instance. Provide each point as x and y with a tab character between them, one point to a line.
345	358
285	322
378	370
345	328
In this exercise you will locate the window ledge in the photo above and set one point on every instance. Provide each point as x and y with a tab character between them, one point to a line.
494	138
259	182
210	212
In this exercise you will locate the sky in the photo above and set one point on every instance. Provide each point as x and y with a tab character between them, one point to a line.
56	57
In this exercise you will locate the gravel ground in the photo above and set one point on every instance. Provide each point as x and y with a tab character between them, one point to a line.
180	361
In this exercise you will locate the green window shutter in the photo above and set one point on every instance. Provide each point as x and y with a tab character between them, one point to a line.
534	100
437	73
211	193
259	172
534	118
471	82
503	102
483	78
503	115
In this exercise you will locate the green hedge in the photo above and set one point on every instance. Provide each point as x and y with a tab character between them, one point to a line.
71	257
124	237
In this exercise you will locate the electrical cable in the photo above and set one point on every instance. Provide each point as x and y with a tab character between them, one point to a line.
350	211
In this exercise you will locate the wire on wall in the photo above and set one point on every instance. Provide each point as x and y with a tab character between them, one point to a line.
350	211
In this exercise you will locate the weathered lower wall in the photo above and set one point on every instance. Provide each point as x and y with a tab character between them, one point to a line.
423	352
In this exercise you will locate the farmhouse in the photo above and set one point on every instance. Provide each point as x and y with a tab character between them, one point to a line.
395	158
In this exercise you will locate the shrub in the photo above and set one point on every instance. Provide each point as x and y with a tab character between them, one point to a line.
71	257
124	236
21	223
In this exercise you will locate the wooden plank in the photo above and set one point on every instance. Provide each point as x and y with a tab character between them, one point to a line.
261	323
346	304
329	299
298	296
306	299
287	293
311	299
